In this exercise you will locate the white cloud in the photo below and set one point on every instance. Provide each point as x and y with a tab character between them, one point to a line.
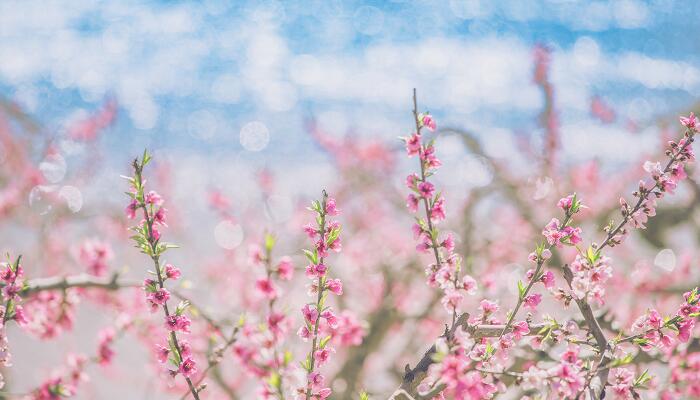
150	53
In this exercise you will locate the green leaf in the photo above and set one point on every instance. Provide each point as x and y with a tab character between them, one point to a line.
693	297
312	256
269	242
274	380
592	255
146	158
642	379
621	361
521	289
182	307
174	354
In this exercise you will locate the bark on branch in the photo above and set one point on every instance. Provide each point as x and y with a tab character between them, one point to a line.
414	376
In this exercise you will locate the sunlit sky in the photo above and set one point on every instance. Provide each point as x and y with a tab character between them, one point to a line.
241	79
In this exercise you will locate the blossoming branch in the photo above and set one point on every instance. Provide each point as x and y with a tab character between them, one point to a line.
326	236
147	238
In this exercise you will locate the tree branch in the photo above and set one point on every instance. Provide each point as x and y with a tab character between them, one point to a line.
413	376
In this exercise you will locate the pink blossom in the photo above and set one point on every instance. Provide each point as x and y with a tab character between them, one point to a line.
451	299
533	300
413	144
685	329
417	231
160	296
162	353
316	270
304	333
548	279
153	198
429	122
424	246
255	255
566	202
130	210
426	189
105	352
330	318
335	286
310	231
488	307
159	217
412	180
172	272
188	367
331	208
622	382
322	355
315	379
552	232
310	313
350	330
412	202
95	255
520	329
689	121
155	234
285	268
448	243
468	284
178	323
185	348
437	212
266	288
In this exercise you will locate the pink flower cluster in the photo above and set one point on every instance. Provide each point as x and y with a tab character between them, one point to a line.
445	272
63	383
12	274
558	235
685	379
565	380
652	324
319	319
148	240
663	180
591	272
259	349
52	313
95	254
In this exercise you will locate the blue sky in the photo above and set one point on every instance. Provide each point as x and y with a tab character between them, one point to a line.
191	75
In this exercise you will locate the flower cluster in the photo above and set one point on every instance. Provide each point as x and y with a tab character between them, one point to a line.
64	382
12	274
94	254
663	180
564	380
52	313
259	351
454	373
147	239
591	271
684	380
557	234
445	271
320	319
652	325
